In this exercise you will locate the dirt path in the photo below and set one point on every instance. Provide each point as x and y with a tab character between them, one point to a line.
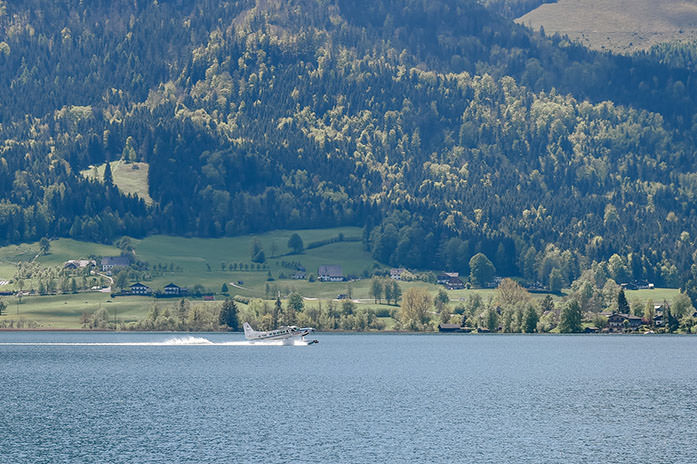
111	282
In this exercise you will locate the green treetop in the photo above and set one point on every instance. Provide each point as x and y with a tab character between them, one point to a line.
482	270
571	318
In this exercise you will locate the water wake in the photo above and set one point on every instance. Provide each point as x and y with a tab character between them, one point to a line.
175	341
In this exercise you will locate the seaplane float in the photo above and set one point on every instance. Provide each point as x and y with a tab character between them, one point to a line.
287	334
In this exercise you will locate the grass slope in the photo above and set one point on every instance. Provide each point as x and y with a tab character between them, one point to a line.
192	256
128	177
620	25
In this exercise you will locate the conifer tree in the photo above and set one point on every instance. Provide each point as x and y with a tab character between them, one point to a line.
531	319
277	309
622	304
228	315
108	179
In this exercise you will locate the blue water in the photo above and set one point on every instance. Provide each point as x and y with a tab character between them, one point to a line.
161	398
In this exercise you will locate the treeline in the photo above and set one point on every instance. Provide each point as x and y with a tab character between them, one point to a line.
321	315
182	316
676	54
442	127
514	8
593	297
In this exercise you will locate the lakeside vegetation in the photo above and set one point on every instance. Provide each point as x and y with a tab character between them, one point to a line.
265	294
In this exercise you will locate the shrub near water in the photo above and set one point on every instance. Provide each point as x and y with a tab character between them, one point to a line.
182	315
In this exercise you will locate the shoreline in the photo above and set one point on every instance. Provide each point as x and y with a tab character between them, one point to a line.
367	332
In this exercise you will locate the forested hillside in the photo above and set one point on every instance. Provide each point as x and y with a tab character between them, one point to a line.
442	127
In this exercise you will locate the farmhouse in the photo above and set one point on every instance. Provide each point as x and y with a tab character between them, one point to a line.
109	263
454	283
330	273
78	263
300	274
617	322
173	290
444	277
396	273
659	314
140	289
637	285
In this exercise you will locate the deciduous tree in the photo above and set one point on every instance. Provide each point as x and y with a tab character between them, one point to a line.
376	288
413	313
295	243
482	270
44	246
509	293
531	319
571	318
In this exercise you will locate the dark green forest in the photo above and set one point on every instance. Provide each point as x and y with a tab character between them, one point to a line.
442	127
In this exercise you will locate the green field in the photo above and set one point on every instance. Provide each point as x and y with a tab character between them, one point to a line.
658	295
191	258
623	26
65	311
197	261
128	177
194	255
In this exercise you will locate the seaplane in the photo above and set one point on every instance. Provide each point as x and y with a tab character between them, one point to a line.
287	334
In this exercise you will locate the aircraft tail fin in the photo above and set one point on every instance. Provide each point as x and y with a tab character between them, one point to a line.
248	331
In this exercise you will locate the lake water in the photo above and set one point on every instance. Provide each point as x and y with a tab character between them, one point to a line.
161	398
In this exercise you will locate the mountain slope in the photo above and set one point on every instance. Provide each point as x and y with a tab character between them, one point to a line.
442	127
619	25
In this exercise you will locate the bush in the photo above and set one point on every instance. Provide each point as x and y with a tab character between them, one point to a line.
241	299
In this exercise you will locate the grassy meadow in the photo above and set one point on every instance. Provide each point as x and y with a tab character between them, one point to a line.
622	26
199	261
657	295
128	177
195	261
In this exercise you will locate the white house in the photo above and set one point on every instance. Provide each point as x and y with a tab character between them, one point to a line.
109	263
140	289
330	273
396	273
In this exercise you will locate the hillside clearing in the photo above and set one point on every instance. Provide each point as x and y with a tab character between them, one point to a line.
623	26
128	177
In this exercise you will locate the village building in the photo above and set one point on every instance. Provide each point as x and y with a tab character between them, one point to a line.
658	311
111	263
74	264
454	283
396	273
658	320
618	322
174	290
140	289
330	273
637	285
299	274
444	277
449	328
